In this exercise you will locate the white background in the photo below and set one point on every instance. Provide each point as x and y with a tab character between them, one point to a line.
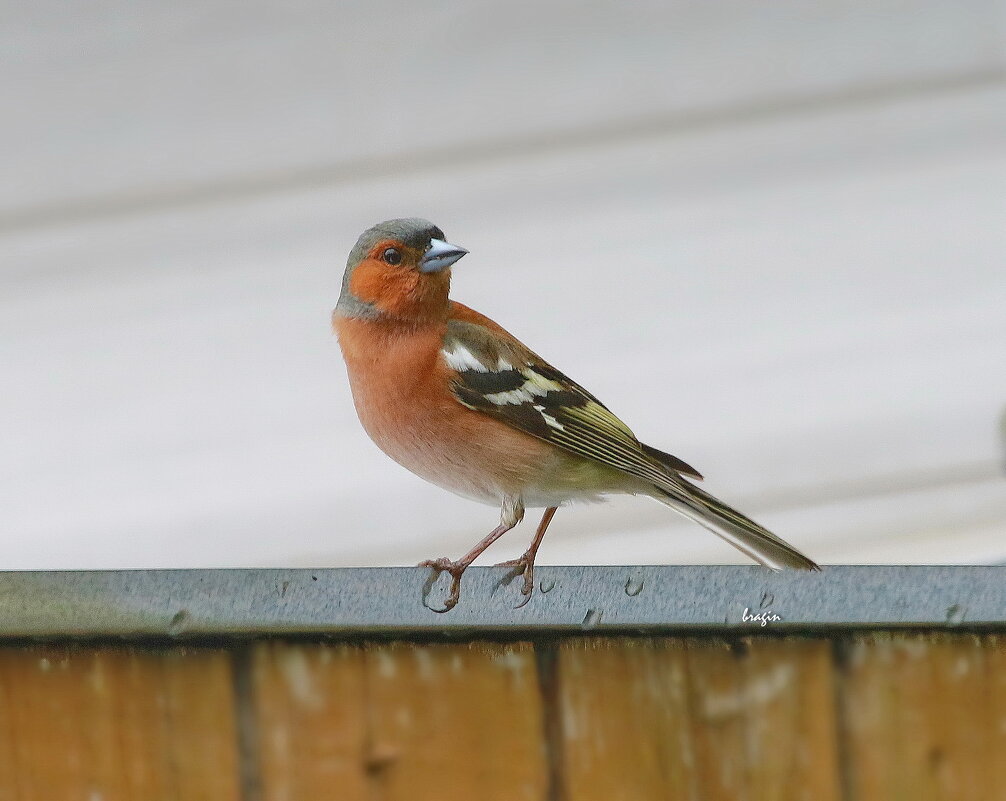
773	240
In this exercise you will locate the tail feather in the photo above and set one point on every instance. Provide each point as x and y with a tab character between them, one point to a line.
673	463
743	533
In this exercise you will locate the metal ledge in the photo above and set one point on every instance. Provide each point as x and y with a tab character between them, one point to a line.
389	601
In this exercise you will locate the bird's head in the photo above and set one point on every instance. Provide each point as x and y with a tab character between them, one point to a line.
399	269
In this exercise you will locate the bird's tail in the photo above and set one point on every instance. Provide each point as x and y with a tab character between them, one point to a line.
743	533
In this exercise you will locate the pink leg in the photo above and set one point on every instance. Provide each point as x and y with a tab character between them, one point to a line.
513	513
524	565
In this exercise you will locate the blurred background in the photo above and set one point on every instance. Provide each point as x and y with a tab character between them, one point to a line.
771	238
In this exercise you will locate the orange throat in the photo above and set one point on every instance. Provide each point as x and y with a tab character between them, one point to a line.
405	295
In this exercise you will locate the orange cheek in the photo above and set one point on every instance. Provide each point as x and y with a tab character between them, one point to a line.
399	292
384	286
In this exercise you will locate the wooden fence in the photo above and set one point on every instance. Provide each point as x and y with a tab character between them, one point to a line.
455	711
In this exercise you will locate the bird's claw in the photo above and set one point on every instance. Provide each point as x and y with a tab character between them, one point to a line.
522	566
443	565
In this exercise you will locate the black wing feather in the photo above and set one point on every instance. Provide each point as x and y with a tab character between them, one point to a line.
521	389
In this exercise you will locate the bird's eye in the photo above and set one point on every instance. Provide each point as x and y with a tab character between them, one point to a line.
392	256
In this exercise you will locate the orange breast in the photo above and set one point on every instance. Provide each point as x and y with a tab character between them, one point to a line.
401	391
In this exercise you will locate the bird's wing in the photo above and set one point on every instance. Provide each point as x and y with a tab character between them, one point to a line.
497	375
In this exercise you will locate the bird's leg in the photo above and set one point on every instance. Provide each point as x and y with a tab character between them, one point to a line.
524	564
457	569
511	514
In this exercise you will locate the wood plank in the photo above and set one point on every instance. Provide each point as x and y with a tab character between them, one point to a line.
456	721
690	719
792	728
310	718
116	724
400	721
624	702
925	717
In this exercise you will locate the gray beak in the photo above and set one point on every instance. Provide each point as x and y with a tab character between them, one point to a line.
439	256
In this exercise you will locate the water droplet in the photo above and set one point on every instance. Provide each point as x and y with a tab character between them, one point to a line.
633	586
546	585
179	622
955	614
591	619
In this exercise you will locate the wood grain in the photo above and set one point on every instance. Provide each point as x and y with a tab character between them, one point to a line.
690	719
926	717
116	724
399	721
310	718
792	724
920	717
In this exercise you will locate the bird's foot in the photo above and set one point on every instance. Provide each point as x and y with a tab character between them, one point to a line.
522	566
444	565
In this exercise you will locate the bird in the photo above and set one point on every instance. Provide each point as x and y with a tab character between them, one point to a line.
454	397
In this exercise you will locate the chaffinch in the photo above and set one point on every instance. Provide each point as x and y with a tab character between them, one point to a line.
456	399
